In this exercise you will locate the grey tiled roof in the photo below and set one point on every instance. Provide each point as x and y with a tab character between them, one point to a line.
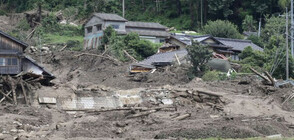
167	57
143	32
110	17
239	44
145	25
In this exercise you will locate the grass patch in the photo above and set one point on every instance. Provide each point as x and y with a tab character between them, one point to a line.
56	39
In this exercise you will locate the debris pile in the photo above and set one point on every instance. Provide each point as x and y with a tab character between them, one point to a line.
12	89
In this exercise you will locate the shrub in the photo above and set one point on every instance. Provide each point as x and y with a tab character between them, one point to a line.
221	28
211	76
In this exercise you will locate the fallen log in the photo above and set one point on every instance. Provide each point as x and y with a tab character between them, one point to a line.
260	75
141	114
175	115
208	93
131	57
182	117
270	78
121	109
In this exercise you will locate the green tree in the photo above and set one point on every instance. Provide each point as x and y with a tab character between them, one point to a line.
284	3
275	26
108	33
249	24
198	55
220	8
220	28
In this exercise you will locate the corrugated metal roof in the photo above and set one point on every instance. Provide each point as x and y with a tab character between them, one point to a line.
239	44
110	17
36	64
145	25
167	57
143	32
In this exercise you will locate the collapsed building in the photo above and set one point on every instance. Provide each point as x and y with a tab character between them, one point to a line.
174	51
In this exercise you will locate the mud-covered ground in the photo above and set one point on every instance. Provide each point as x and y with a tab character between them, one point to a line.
250	109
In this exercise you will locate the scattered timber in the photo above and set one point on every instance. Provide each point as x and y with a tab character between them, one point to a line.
141	114
182	117
90	54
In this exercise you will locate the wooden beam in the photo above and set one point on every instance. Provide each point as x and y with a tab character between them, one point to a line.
143	114
24	93
13	89
182	117
6	95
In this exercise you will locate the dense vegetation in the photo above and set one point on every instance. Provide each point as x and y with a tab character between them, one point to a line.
182	14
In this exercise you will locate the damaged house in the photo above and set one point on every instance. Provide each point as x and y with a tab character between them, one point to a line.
174	51
95	26
13	61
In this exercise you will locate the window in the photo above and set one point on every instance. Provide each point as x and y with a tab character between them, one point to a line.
99	27
115	26
89	30
2	61
11	61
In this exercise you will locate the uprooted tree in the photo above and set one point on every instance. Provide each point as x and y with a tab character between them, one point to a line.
198	55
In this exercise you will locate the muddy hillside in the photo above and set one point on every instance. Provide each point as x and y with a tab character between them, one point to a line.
96	97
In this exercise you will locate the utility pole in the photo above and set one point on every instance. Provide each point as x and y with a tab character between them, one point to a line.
292	30
259	27
123	6
201	13
287	46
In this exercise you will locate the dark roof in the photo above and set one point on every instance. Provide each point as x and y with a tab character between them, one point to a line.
143	32
186	39
143	65
110	17
36	64
167	57
151	25
24	45
239	44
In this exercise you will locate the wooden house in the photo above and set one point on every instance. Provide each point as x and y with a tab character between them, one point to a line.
13	61
11	54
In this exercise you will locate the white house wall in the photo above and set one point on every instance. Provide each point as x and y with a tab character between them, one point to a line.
121	24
